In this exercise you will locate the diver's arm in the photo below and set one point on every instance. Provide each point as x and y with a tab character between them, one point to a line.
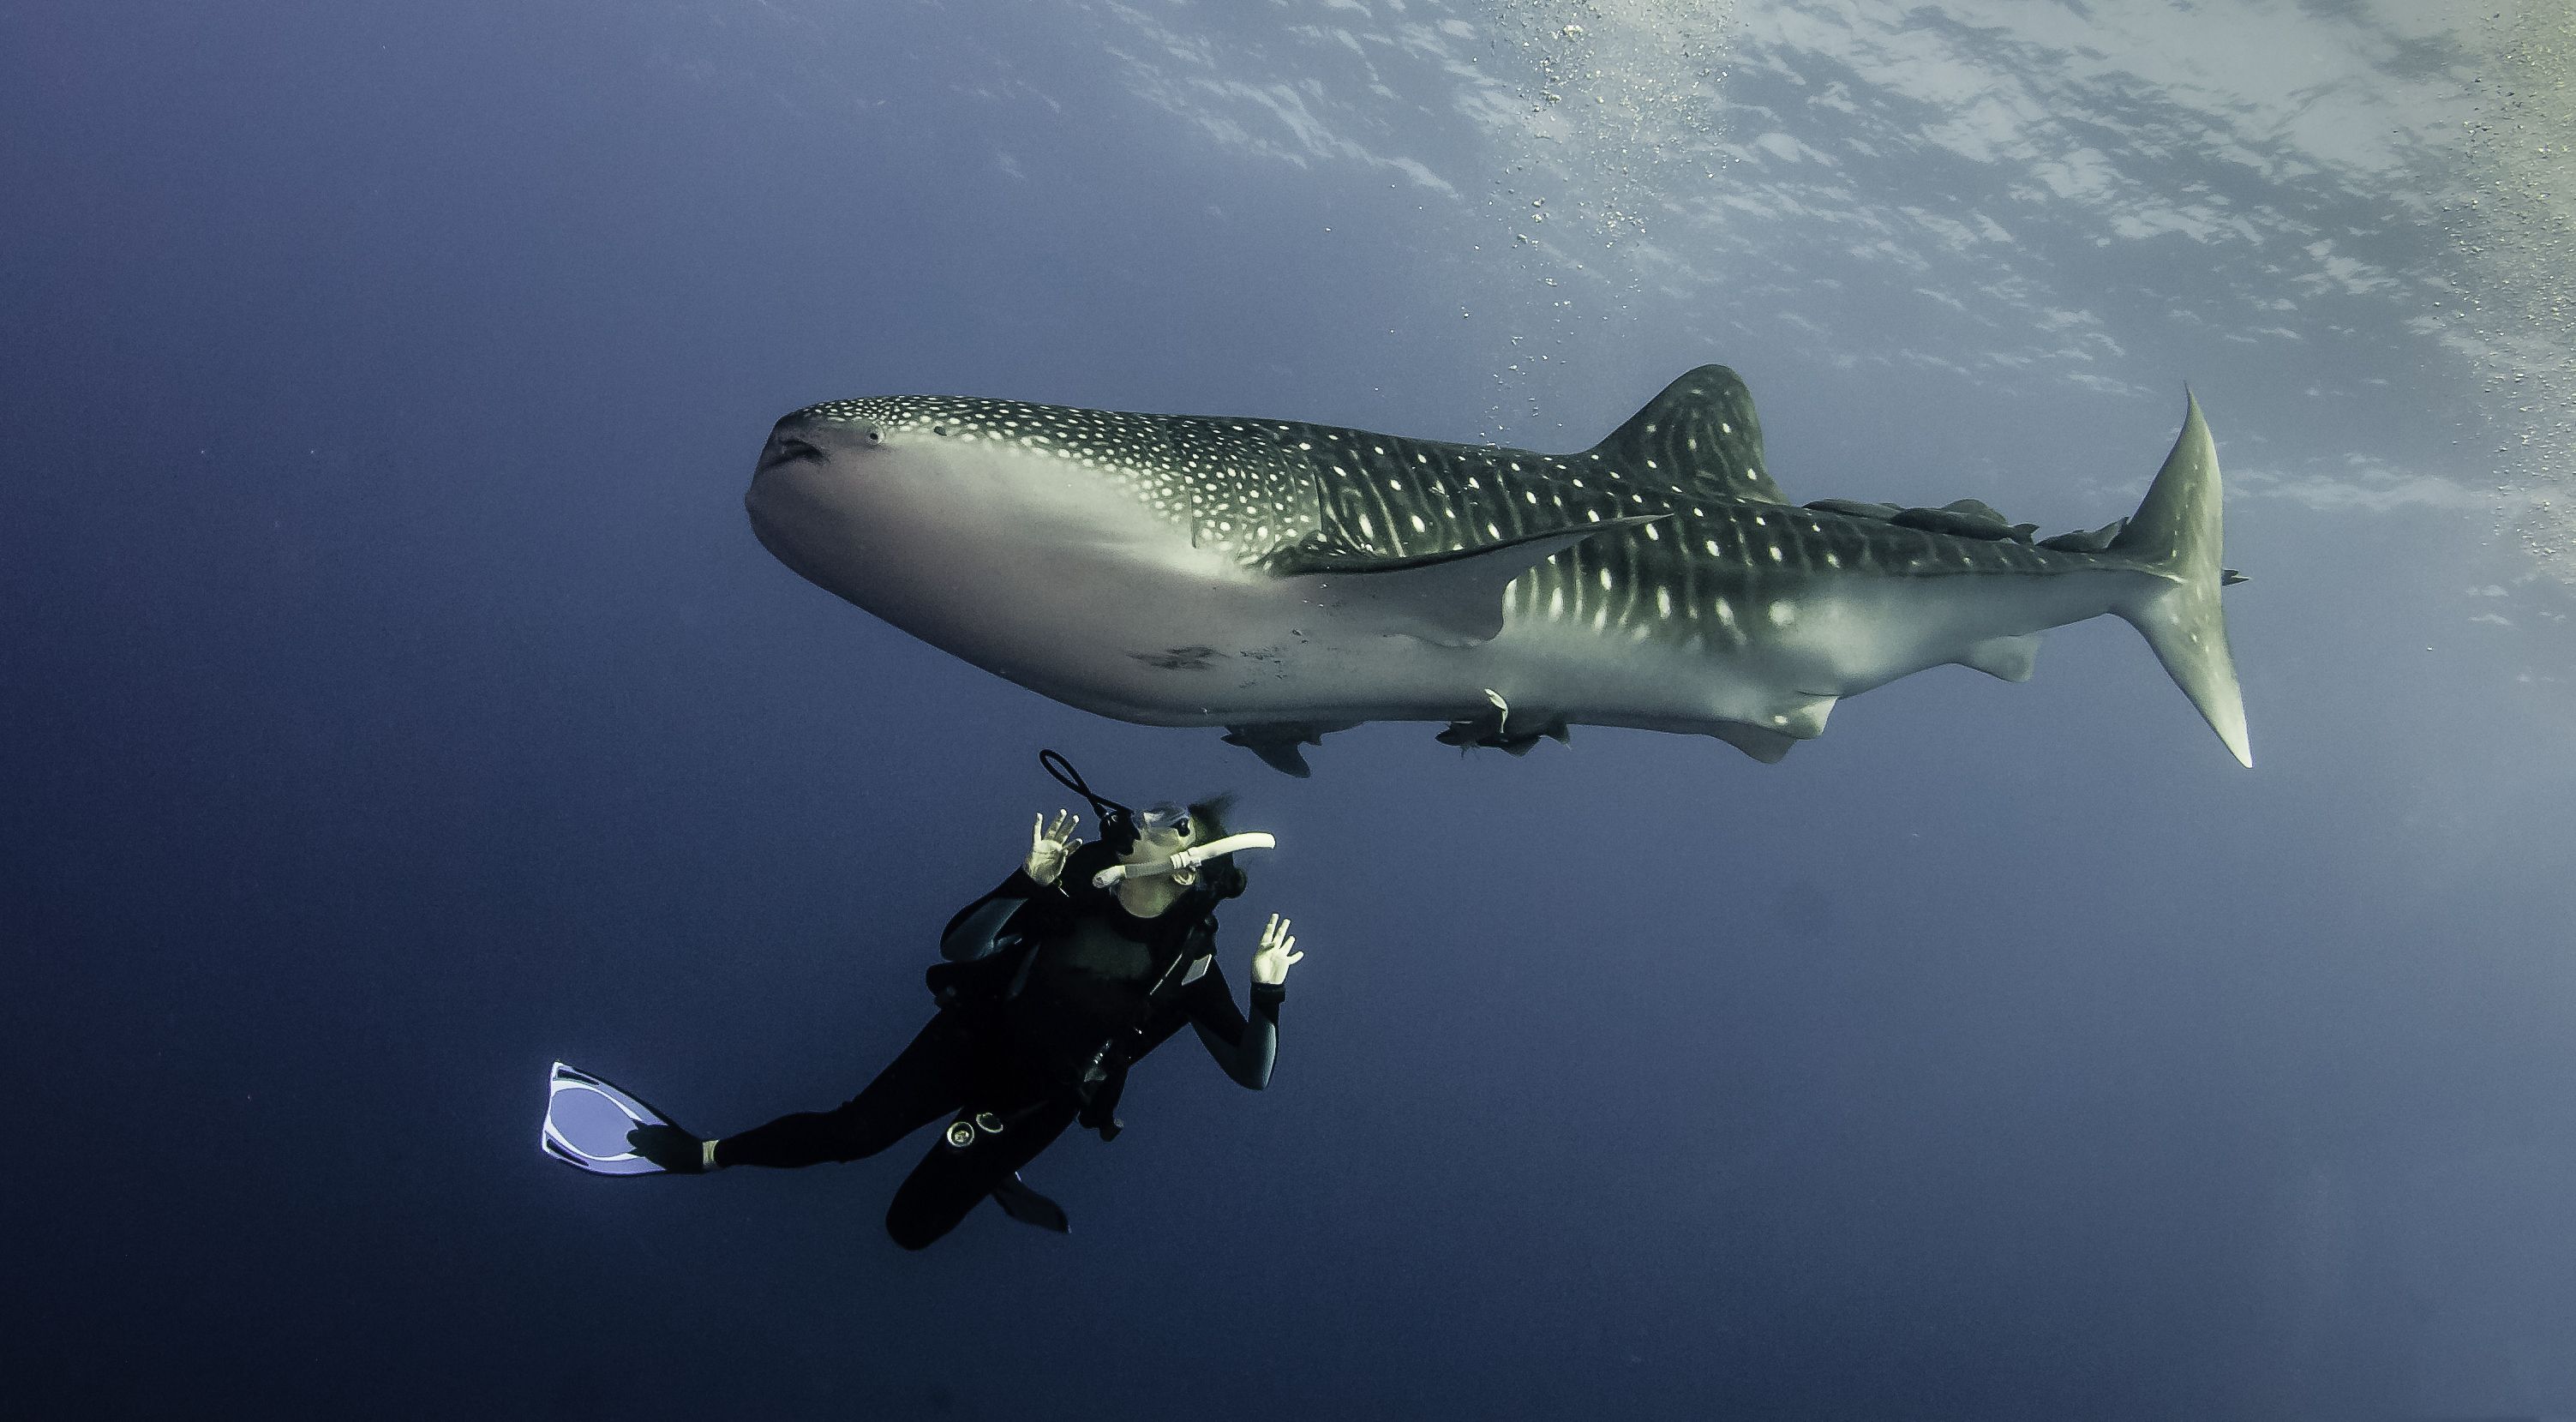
976	929
1246	1048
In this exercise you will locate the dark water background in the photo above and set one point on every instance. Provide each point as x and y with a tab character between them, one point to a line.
394	701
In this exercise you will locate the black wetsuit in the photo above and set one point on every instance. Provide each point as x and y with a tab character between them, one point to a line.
1047	996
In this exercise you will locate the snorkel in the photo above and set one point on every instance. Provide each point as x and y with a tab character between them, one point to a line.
1183	866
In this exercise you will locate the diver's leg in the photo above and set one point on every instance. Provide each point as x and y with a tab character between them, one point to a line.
925	1082
949	1182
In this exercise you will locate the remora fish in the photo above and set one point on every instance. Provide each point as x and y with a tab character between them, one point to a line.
1284	579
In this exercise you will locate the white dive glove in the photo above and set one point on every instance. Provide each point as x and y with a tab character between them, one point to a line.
1051	846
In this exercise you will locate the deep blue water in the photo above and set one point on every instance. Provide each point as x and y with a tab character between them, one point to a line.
395	701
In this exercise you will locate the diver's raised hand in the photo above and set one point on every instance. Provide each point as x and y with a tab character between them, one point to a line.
1277	953
1051	845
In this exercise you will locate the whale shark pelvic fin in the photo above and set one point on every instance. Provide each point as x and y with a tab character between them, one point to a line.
1767	747
1282	745
2007	658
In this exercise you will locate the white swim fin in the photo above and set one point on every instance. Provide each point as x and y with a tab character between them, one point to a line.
586	1124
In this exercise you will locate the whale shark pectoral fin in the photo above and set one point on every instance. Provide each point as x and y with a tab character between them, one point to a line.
1768	747
1453	599
2009	658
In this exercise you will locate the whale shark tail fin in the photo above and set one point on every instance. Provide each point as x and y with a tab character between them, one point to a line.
2176	535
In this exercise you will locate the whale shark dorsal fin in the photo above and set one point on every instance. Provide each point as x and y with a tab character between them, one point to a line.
1700	436
1452	599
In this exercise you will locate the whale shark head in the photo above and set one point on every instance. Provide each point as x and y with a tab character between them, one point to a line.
892	501
899	502
1000	530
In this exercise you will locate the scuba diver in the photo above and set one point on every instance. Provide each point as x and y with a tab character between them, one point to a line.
1050	989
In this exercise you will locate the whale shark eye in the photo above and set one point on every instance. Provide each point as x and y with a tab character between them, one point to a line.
872	435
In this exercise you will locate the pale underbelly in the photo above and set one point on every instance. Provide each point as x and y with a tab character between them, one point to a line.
1180	648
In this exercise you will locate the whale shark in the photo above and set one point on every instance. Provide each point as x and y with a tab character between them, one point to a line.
1285	580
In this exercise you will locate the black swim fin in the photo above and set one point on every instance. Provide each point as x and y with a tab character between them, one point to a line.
1029	1207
